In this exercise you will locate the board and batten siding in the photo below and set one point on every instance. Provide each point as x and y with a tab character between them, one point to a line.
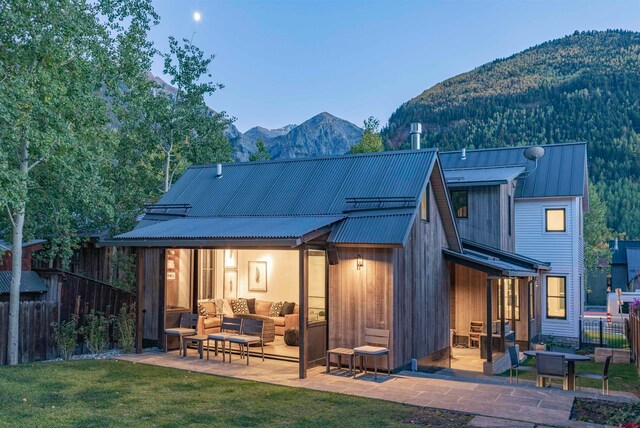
421	291
562	249
150	288
488	216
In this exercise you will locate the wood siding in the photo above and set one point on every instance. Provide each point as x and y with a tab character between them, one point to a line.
470	291
149	290
488	221
360	298
421	291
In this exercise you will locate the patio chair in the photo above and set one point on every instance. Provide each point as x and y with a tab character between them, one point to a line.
252	332
551	366
229	327
475	330
187	327
376	344
604	377
514	355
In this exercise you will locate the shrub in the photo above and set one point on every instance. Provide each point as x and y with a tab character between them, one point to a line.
65	335
96	332
125	328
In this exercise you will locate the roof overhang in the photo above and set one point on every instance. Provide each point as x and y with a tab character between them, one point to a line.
513	258
491	267
487	176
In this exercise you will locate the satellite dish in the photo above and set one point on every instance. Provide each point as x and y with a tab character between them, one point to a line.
534	153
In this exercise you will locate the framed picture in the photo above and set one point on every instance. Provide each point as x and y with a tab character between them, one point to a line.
230	290
231	259
257	276
171	276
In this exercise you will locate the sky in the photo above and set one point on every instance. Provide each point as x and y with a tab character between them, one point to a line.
284	61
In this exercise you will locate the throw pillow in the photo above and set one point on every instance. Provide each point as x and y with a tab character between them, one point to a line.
287	308
276	307
240	306
202	311
251	304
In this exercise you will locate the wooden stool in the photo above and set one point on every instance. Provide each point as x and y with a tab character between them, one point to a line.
198	338
340	352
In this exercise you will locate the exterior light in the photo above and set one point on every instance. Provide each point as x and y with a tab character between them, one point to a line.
359	262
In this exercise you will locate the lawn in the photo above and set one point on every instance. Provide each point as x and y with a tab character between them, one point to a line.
609	338
109	393
622	377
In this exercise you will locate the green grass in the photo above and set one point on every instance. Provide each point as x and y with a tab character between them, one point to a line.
115	393
609	339
622	377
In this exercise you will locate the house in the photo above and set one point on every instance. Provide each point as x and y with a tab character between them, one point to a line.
354	241
625	265
31	285
530	200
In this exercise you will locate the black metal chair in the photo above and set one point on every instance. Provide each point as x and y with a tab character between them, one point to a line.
229	327
550	366
604	377
514	355
187	327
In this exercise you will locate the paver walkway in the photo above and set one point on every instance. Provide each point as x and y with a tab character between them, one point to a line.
548	407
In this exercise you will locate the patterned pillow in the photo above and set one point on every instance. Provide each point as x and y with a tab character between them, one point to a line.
276	307
202	310
240	306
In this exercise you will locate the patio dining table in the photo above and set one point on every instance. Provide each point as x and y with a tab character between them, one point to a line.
571	364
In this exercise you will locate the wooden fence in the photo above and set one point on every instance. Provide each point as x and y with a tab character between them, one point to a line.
634	338
36	334
69	294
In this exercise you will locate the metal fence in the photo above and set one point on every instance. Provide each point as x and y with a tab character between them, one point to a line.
603	334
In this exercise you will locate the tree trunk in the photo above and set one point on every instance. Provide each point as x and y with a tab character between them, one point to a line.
167	171
16	264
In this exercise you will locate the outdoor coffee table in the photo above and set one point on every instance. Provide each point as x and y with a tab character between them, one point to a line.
571	365
198	338
340	352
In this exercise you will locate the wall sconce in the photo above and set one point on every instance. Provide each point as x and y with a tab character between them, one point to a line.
359	262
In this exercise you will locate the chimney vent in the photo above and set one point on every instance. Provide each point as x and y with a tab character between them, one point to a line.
416	133
219	170
463	156
615	245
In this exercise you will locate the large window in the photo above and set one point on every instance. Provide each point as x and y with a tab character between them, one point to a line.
178	279
206	274
317	285
424	205
460	203
555	220
557	297
509	298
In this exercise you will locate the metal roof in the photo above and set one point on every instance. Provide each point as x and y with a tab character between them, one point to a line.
514	258
30	282
301	190
482	176
619	257
391	229
633	263
489	265
8	246
562	171
232	228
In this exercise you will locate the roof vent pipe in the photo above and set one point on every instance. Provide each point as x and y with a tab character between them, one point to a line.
416	133
463	156
615	245
218	170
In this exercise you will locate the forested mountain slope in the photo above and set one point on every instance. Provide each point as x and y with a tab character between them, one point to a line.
583	87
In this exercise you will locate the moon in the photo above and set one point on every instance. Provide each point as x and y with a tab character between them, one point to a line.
197	16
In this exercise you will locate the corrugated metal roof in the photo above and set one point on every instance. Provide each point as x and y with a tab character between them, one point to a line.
482	176
30	282
391	229
490	265
514	258
232	228
562	171
300	186
8	246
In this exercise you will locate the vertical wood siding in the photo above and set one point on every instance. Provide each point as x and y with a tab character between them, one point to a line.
152	301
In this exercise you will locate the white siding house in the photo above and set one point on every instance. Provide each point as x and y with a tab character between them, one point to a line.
564	250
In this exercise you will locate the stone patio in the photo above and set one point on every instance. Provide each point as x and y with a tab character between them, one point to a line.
497	404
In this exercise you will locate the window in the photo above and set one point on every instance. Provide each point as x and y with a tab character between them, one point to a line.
532	301
556	297
317	278
460	202
424	205
508	298
555	220
206	274
178	279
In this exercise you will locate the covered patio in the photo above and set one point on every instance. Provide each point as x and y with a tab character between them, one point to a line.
494	305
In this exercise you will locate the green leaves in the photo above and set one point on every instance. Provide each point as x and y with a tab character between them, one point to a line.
371	140
261	153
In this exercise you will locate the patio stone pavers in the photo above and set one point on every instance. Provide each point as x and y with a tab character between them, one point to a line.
497	404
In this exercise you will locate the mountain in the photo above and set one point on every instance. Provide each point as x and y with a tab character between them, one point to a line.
582	87
322	135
